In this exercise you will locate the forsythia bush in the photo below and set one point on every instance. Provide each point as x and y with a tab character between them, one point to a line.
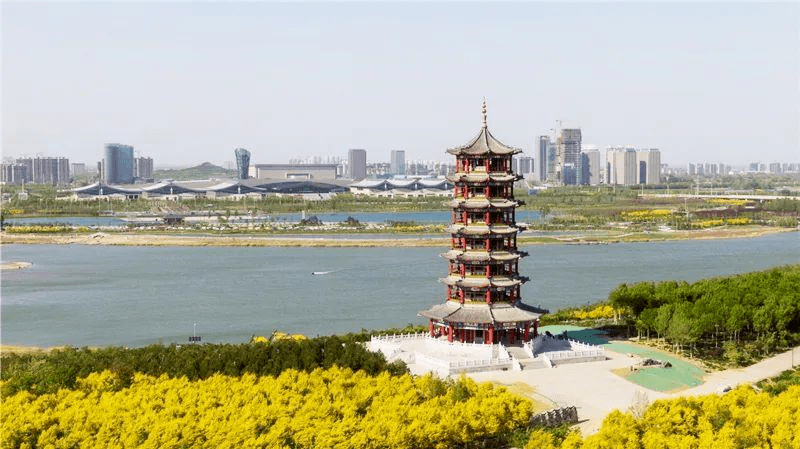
740	418
324	408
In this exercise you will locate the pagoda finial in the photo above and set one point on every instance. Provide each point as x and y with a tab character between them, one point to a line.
484	112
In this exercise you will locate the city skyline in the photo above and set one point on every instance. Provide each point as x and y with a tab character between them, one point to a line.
194	81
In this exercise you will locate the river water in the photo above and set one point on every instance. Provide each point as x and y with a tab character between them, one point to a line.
428	217
133	296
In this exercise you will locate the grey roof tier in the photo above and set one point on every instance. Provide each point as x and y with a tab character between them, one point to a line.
482	176
482	229
482	255
455	312
484	143
483	282
483	203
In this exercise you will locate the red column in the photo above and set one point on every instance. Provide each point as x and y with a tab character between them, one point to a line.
450	333
487	243
526	336
491	334
449	292
486	191
487	164
486	217
461	295
488	296
431	328
488	270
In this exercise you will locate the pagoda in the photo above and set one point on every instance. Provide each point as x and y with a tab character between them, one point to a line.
483	302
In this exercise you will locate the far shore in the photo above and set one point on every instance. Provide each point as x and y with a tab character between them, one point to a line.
233	240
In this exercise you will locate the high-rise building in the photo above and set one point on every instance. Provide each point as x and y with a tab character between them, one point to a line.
621	166
483	301
523	165
568	143
649	166
590	167
118	164
14	173
46	170
397	162
357	164
143	168
544	152
78	169
242	163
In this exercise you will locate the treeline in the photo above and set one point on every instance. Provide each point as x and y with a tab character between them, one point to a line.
40	373
740	317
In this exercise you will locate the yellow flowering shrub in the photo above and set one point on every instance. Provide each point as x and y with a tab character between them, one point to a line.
646	214
738	221
36	229
727	201
597	312
324	408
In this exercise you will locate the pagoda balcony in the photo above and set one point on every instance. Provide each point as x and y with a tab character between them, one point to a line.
483	176
482	202
482	282
482	229
483	256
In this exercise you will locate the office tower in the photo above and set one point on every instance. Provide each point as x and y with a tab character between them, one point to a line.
649	166
544	152
242	163
118	164
357	164
568	145
397	162
143	168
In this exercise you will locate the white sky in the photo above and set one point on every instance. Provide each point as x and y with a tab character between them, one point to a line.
188	82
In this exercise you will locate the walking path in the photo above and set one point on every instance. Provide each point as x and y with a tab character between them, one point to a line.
596	390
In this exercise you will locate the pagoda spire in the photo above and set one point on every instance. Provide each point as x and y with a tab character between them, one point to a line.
483	109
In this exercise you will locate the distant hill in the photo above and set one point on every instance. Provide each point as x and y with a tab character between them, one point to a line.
205	170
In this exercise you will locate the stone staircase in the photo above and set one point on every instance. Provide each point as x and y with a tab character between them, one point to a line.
525	361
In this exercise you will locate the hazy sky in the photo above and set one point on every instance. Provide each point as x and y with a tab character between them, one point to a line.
188	82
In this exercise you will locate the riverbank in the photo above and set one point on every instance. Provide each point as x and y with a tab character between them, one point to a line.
234	240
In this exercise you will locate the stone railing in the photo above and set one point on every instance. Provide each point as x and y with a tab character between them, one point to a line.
579	351
480	365
392	337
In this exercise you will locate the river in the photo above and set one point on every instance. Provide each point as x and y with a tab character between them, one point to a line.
133	296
